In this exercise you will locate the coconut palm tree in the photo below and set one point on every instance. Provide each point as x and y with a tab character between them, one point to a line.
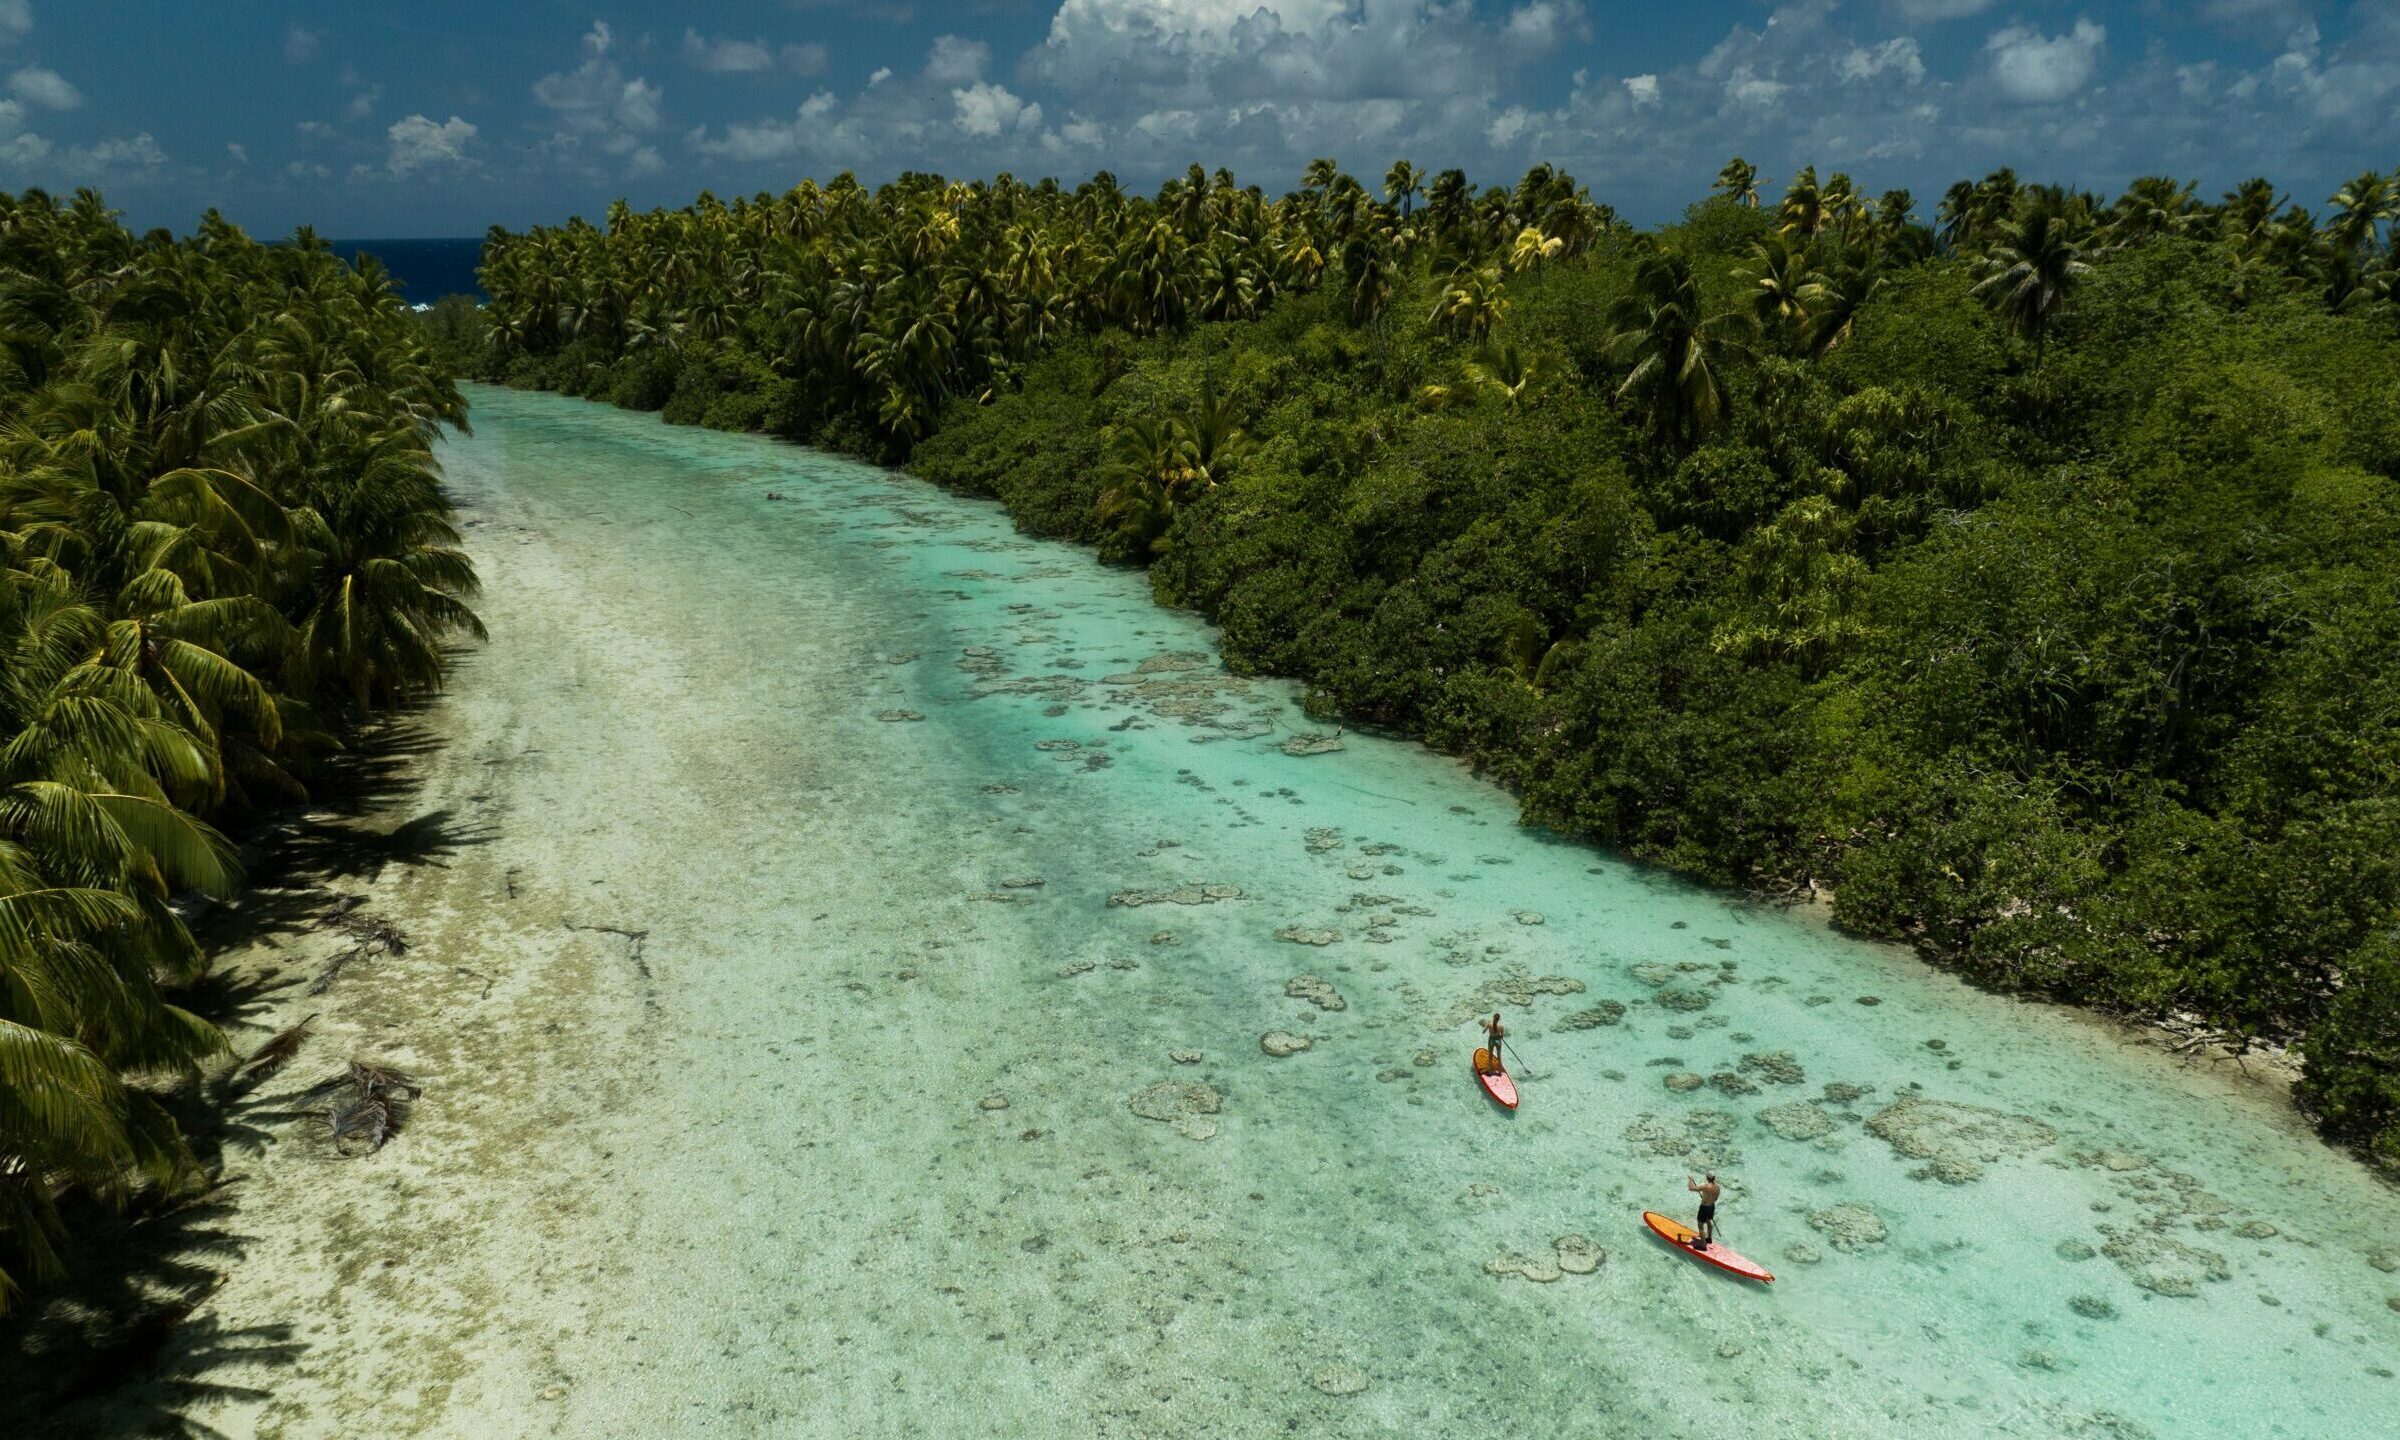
1804	211
1371	266
1956	215
2029	276
1531	248
1671	346
1449	207
2358	208
1210	440
1833	298
1507	372
1471	305
2247	212
1781	284
1138	510
1739	182
219	517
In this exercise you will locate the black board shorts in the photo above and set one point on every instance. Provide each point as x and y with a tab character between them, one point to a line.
1707	1213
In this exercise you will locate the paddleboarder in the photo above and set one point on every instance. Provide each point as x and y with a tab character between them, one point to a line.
1708	1191
1491	1034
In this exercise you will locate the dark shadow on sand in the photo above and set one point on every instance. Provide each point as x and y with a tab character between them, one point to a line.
123	1346
115	1350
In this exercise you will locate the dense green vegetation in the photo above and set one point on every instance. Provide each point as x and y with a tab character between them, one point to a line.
2031	578
852	318
225	543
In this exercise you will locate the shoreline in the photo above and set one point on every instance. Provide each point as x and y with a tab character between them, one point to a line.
1806	897
2280	1071
476	1275
321	1259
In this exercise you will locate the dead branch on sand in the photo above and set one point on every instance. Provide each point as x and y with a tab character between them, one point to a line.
365	1105
278	1052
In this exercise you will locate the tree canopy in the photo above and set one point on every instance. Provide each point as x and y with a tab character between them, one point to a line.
224	540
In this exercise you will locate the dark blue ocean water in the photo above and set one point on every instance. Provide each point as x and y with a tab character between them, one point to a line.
425	270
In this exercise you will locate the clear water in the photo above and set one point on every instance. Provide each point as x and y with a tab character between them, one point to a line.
867	929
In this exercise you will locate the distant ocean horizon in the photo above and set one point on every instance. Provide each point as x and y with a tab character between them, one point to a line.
424	270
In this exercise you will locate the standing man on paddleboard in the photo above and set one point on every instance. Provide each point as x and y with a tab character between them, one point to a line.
1708	1192
1492	1033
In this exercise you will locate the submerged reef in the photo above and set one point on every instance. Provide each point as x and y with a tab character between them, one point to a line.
1798	1120
1849	1226
1956	1141
1316	991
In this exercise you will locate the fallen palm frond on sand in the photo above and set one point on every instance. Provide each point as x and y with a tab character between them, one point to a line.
365	1105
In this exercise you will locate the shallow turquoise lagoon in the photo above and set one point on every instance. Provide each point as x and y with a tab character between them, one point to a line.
978	894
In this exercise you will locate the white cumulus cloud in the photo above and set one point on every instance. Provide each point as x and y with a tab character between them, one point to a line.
637	104
19	147
1265	85
954	61
1745	86
1540	23
1507	126
1144	86
46	88
1893	57
138	152
987	109
300	46
417	143
597	106
731	56
772	139
2037	69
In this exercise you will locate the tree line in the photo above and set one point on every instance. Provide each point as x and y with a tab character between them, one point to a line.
226	544
2027	576
855	316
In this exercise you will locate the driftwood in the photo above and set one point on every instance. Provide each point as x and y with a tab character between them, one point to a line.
278	1052
634	941
374	937
365	1105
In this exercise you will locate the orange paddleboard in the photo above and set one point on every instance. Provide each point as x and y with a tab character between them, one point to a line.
1681	1236
1496	1081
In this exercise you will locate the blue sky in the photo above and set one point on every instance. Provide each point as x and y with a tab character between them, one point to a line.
433	117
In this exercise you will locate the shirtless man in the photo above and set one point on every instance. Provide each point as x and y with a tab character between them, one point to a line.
1491	1034
1708	1192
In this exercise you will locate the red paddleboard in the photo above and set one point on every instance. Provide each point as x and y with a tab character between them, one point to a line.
1681	1236
1496	1082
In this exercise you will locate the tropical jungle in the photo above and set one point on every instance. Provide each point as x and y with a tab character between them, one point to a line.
228	550
2020	574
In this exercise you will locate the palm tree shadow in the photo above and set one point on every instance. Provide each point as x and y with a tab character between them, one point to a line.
116	1348
330	851
299	860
